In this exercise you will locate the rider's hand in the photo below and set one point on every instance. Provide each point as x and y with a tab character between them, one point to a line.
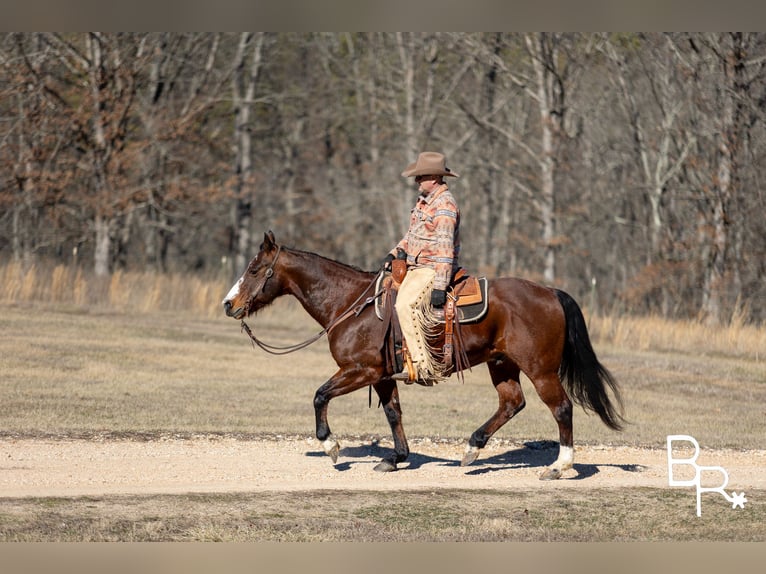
386	263
438	297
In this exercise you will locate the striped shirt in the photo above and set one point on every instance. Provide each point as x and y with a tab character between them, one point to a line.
433	238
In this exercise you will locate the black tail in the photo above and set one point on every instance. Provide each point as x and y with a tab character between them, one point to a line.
587	380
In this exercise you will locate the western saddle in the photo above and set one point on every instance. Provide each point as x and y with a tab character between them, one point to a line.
466	303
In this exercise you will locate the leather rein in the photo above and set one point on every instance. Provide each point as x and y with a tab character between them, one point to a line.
355	309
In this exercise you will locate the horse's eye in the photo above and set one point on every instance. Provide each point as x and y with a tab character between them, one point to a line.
252	269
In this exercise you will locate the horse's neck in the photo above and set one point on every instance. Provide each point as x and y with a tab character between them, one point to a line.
326	289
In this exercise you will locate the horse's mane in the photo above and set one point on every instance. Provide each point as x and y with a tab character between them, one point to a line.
330	260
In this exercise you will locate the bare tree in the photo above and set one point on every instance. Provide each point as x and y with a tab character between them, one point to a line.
244	81
424	94
661	146
99	116
169	150
724	73
179	89
32	150
547	76
653	99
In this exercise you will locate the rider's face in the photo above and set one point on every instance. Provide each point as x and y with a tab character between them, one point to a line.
427	183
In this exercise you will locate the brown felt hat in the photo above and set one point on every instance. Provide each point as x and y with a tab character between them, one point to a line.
429	163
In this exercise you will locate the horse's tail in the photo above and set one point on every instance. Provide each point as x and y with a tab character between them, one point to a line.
587	380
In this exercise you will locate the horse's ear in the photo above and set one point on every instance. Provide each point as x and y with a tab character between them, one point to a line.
269	242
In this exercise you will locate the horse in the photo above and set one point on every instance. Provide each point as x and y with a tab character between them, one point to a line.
528	328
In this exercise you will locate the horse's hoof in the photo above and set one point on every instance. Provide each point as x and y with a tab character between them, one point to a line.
332	448
470	456
551	474
385	466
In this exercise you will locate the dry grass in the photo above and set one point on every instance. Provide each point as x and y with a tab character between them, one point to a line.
146	292
154	355
75	371
540	515
141	292
689	337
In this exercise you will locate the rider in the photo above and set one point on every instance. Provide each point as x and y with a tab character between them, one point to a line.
432	246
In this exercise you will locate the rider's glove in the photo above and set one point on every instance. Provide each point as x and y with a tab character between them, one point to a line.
438	297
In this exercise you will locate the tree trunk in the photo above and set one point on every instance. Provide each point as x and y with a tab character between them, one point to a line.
103	248
407	59
729	135
549	101
243	92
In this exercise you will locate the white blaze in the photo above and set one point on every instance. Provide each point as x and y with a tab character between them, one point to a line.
233	292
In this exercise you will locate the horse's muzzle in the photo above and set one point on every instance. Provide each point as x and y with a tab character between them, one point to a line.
230	312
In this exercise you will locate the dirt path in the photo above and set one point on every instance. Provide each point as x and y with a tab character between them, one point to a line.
41	467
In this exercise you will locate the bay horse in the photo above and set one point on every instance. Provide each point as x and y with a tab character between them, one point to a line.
528	328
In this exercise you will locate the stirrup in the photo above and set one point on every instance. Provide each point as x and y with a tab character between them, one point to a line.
409	375
403	376
411	378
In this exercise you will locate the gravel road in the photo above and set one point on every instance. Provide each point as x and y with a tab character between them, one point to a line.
66	467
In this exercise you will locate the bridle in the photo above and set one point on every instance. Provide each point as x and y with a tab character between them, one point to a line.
355	309
269	271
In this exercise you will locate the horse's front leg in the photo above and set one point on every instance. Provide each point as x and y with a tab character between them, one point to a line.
389	398
343	382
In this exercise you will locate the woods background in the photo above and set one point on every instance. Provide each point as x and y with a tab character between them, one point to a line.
624	168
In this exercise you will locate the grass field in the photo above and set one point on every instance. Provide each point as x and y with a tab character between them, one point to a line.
71	370
360	516
77	372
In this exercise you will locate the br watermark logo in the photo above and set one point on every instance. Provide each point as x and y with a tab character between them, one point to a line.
695	478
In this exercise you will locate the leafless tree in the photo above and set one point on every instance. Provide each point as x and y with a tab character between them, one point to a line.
632	159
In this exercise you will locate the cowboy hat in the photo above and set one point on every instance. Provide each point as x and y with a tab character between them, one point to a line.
429	163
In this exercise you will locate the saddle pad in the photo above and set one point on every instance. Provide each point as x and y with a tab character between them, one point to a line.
471	307
468	292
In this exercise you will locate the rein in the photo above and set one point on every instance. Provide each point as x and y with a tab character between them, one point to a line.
355	309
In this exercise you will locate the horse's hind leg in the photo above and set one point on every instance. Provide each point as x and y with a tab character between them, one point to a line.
555	397
389	398
505	377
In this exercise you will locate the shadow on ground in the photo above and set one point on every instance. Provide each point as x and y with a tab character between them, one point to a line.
534	454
